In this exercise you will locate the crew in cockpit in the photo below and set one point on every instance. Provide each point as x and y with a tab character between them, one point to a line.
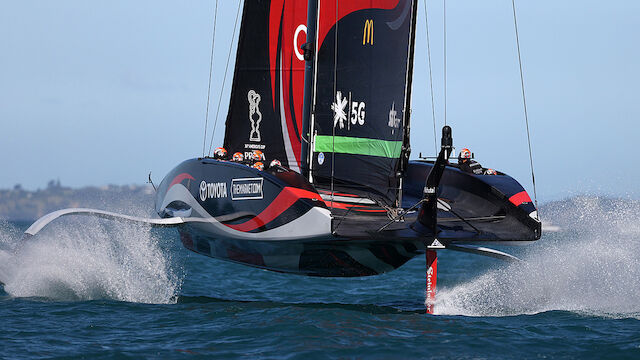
467	164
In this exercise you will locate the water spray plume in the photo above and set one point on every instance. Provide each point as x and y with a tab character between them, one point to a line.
591	266
87	260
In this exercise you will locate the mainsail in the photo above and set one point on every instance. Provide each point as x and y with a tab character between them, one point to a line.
265	111
362	83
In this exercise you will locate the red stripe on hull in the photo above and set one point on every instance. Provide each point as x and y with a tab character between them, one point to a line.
520	198
287	197
178	179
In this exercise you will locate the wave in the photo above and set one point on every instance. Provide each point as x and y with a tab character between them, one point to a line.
592	266
88	260
377	309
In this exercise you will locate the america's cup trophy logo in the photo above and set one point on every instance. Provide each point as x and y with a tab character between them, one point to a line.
254	115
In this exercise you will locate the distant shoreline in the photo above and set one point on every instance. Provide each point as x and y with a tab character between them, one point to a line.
20	205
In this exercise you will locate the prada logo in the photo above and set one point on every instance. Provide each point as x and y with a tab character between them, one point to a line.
367	36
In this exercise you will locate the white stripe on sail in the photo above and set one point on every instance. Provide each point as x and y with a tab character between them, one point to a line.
291	158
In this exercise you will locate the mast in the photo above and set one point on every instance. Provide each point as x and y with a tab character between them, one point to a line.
406	112
309	50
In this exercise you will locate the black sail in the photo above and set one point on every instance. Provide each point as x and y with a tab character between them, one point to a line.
362	94
265	110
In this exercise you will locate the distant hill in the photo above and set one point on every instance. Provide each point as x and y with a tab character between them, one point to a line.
18	204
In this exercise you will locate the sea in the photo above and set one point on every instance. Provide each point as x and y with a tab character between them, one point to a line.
94	289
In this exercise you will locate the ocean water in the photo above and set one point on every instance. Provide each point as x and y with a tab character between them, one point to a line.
88	288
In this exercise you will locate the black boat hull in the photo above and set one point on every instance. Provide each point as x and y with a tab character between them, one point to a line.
326	257
276	220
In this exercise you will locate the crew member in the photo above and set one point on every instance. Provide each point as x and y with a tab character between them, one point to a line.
220	153
238	157
467	164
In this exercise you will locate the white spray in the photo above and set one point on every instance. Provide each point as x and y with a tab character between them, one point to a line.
87	259
591	266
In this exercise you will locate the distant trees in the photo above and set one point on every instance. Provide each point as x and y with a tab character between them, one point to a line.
19	204
53	184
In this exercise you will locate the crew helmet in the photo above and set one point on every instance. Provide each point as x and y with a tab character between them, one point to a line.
490	172
238	157
220	153
465	154
274	163
259	165
257	155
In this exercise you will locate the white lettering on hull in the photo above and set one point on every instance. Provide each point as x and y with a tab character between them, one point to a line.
247	189
213	190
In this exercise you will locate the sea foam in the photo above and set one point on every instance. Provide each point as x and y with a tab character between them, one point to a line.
591	266
88	259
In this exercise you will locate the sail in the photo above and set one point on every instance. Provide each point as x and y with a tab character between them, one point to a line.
361	112
265	110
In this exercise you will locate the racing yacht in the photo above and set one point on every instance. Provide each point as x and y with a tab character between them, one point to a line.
314	176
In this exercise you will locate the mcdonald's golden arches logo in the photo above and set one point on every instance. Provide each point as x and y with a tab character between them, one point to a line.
367	36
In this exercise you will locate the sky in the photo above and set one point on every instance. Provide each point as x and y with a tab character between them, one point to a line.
104	92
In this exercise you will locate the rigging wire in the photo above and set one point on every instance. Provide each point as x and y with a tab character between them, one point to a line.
335	89
224	80
433	104
213	42
444	22
524	102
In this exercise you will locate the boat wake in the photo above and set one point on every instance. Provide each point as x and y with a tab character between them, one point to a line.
591	266
87	261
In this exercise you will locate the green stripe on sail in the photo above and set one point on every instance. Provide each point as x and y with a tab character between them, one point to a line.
358	146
